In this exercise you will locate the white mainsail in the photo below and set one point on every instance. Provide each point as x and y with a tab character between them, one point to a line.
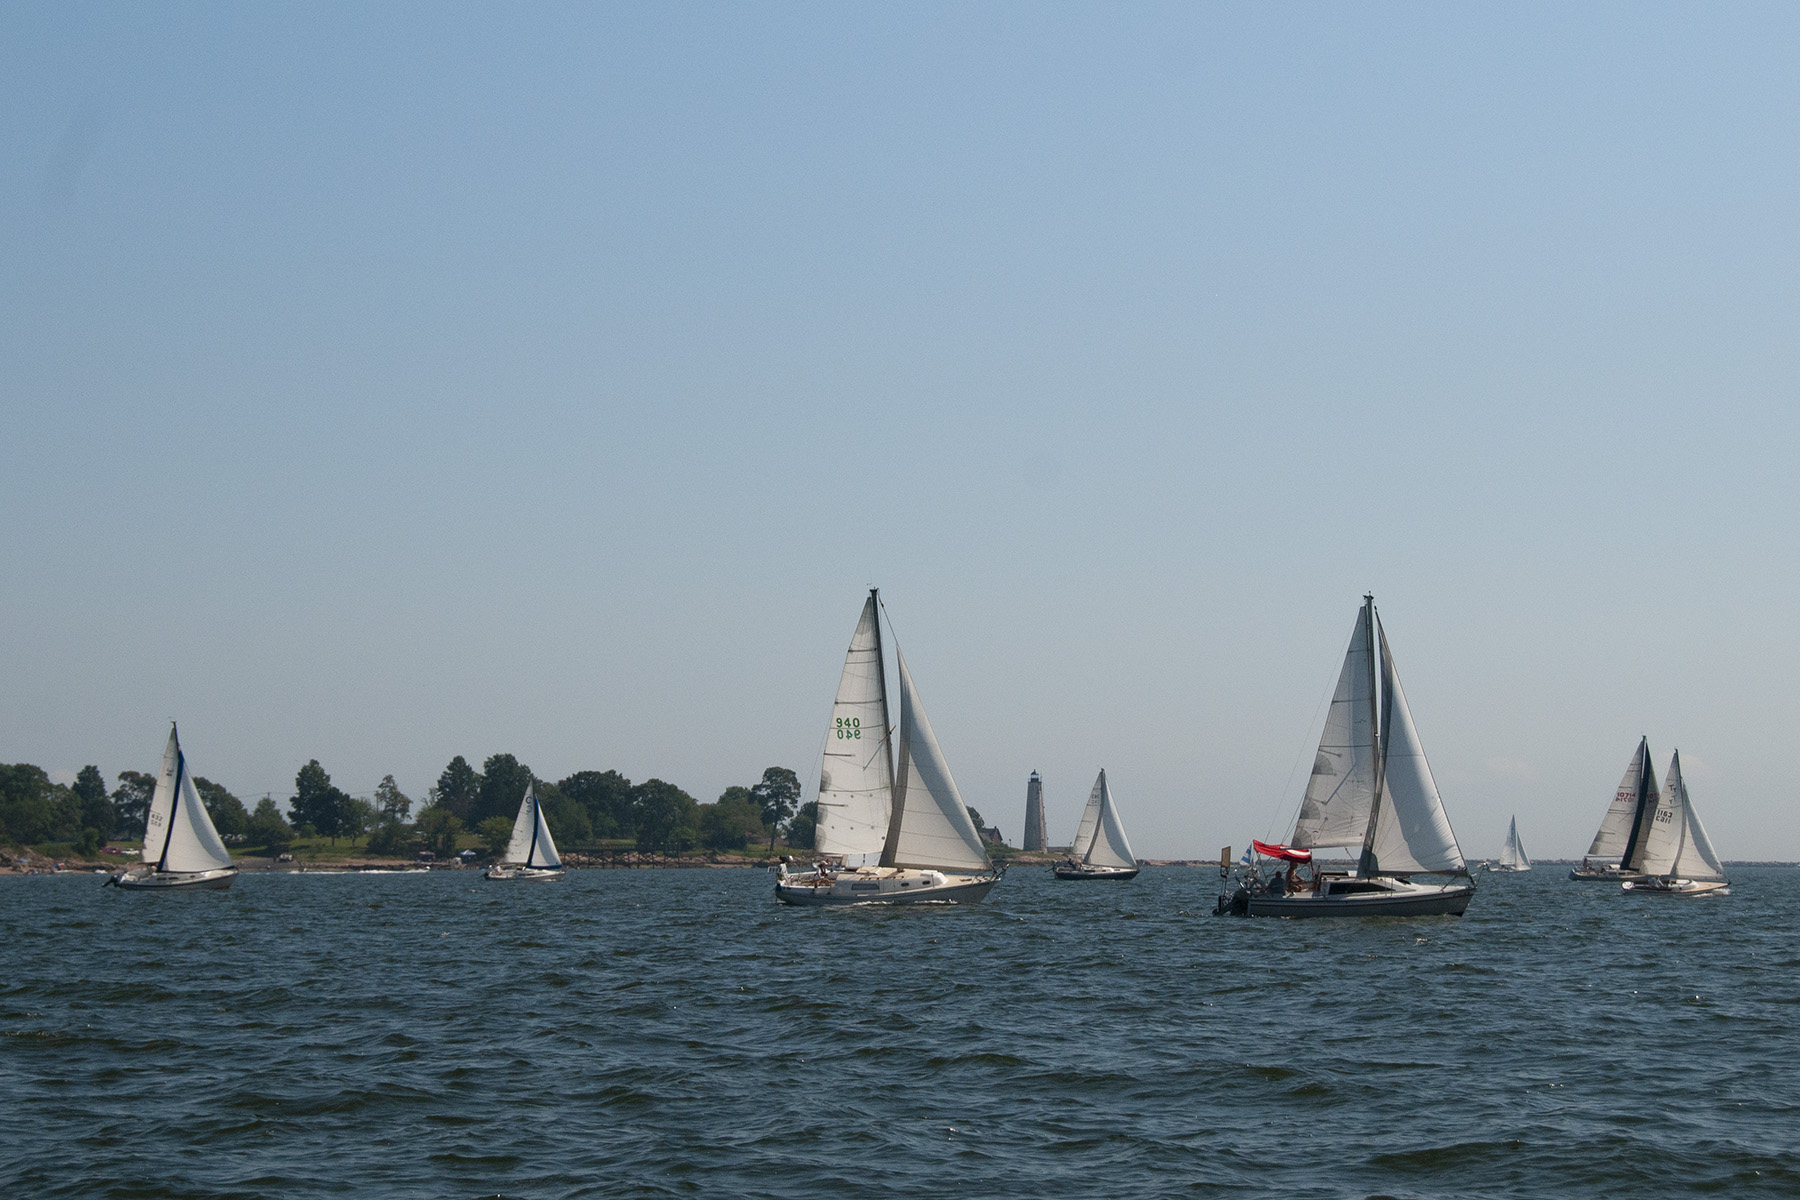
1090	822
531	844
1411	831
1106	845
1615	827
1676	846
1335	810
178	833
856	778
931	826
1512	855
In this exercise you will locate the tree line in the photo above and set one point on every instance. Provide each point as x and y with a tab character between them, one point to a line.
580	809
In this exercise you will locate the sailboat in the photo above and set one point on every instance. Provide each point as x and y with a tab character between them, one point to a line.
1100	850
1676	858
1512	855
182	849
1371	790
892	828
1632	807
531	854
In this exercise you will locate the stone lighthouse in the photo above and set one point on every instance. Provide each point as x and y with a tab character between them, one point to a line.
1034	814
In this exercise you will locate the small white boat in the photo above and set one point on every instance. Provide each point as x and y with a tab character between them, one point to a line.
1512	855
1633	804
1099	850
1676	857
1372	793
531	855
182	850
886	834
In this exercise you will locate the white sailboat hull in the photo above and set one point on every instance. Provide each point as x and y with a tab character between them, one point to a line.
1658	886
881	885
167	881
1368	898
1063	870
1505	870
502	873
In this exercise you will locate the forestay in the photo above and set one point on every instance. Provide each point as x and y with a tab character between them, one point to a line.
178	834
1615	826
1106	845
931	826
856	777
1335	809
1411	831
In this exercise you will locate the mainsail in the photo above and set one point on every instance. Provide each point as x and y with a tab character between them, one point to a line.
1646	804
931	826
1614	833
1100	841
178	834
1512	855
856	778
1335	810
1676	846
531	845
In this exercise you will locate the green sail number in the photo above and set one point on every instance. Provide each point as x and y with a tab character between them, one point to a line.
849	727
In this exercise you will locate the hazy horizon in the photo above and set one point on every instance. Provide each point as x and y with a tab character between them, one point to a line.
386	384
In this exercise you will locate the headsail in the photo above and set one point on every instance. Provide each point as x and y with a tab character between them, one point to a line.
856	777
1646	803
1677	846
1411	831
1106	846
1335	810
178	833
931	826
1615	827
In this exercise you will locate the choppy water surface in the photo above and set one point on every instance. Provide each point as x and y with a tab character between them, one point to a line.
677	1033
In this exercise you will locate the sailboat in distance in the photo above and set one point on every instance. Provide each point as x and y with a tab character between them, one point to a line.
1676	858
531	855
1371	791
1100	850
892	828
1512	855
1632	807
182	849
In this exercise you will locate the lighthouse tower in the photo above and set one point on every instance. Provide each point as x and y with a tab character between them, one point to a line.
1034	814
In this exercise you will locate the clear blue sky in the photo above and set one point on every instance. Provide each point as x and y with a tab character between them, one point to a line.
384	383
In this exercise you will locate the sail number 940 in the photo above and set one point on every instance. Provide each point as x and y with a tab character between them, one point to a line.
849	727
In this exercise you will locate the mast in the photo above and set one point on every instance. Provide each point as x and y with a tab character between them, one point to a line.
531	799
162	856
1646	782
1099	821
1367	865
896	786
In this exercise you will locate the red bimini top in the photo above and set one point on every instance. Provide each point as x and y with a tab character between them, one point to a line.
1292	854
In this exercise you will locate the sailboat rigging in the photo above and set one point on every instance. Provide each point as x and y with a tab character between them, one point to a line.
182	849
531	854
1675	857
1627	818
891	830
1100	850
1371	791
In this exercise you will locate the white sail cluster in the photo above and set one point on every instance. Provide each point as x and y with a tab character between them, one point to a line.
1675	845
1100	838
1371	787
1512	855
179	836
531	844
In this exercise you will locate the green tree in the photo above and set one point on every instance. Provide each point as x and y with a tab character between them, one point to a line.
131	800
391	837
661	812
458	789
318	804
975	816
495	833
730	823
32	809
778	795
606	798
568	821
87	842
438	828
392	803
503	783
801	827
358	817
228	814
268	828
96	806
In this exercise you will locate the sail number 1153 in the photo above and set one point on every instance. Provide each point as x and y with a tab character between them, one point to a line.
849	727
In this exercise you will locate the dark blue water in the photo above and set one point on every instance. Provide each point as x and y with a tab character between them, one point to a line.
676	1033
